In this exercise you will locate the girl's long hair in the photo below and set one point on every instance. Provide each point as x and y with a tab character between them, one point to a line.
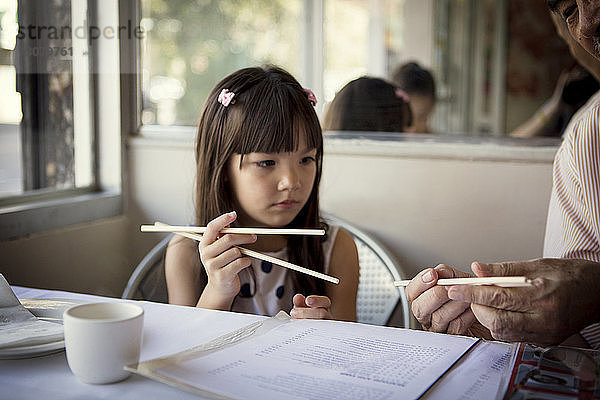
368	104
268	113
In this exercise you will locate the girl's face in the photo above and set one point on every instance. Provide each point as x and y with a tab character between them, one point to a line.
270	189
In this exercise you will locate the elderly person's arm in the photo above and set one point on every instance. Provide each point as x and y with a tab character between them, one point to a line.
564	298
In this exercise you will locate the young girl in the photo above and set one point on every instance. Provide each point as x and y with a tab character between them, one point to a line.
259	152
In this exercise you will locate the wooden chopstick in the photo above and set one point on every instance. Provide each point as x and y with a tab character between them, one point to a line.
257	231
283	263
503	281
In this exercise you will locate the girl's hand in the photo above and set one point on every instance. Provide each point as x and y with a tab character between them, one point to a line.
311	307
222	262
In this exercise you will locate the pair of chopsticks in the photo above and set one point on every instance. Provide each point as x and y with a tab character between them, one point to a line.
502	281
194	232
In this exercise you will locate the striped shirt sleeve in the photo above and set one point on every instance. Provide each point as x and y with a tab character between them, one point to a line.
573	226
587	157
585	238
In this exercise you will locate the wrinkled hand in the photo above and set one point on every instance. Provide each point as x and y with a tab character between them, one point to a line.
222	262
434	310
311	307
564	299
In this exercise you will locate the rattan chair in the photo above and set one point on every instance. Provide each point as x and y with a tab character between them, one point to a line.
147	281
378	301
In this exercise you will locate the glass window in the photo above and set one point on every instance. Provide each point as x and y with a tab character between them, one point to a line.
11	170
494	68
45	110
361	38
190	45
473	48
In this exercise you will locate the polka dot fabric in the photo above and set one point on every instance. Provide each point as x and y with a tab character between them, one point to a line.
267	288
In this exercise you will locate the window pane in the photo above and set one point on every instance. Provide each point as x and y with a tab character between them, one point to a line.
41	149
346	43
362	37
494	68
190	45
10	104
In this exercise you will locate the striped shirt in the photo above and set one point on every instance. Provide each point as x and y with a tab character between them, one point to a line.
573	225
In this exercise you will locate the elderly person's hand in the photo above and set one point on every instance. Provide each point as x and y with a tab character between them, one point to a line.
435	311
564	298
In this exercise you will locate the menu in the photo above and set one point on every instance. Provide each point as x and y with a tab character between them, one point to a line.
308	359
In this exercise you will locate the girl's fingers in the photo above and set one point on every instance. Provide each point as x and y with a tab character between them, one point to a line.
312	301
228	241
299	300
230	263
318	301
237	265
310	313
222	260
312	307
214	227
225	243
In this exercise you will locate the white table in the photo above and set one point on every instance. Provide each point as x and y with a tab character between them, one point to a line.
167	329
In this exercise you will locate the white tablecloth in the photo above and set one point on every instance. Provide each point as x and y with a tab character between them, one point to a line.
169	329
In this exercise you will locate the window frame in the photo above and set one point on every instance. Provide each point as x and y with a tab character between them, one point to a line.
41	211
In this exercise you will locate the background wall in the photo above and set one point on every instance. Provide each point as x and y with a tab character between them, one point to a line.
451	203
88	258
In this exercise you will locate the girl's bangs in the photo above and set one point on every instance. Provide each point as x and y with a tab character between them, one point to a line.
277	127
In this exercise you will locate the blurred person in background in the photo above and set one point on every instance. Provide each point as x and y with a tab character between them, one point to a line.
419	84
369	104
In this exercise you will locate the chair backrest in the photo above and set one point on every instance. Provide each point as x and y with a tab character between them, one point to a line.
147	281
378	301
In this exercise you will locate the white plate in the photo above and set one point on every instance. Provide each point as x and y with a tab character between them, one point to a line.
32	351
49	310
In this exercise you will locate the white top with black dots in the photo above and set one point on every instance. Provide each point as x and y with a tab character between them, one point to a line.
267	288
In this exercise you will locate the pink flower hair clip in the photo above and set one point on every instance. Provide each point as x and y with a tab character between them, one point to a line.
311	97
401	94
225	97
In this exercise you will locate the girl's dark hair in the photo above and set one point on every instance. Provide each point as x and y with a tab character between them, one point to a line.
414	79
268	113
368	104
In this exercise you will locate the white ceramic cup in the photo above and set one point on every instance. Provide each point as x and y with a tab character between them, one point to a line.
101	338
